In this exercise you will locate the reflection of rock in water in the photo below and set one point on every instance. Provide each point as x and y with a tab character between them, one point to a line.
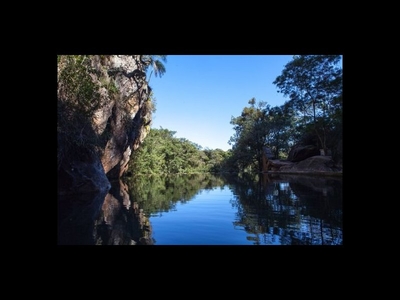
121	223
323	184
102	219
144	226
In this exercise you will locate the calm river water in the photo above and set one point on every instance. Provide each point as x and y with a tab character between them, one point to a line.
206	209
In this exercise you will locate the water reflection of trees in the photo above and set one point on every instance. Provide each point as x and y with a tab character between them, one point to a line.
156	194
288	210
121	220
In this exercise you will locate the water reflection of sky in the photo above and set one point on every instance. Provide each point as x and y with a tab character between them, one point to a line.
204	220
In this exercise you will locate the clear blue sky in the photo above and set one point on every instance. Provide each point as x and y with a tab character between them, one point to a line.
199	94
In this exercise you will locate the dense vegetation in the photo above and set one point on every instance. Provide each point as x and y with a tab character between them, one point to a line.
312	116
162	153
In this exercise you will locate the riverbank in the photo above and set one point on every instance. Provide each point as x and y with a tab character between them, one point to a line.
315	165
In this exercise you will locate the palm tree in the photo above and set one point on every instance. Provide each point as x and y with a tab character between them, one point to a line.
154	61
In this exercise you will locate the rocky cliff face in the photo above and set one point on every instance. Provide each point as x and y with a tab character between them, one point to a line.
104	114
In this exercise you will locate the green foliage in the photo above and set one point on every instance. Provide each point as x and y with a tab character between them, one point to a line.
314	86
313	115
78	97
163	153
76	85
251	132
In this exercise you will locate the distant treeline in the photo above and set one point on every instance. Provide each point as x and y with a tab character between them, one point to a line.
163	153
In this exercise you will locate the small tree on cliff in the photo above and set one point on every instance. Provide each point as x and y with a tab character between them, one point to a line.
155	62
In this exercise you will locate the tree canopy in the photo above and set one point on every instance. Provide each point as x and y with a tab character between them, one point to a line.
312	115
314	86
163	153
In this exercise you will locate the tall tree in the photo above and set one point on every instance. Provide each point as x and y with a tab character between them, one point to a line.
279	125
250	137
313	82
